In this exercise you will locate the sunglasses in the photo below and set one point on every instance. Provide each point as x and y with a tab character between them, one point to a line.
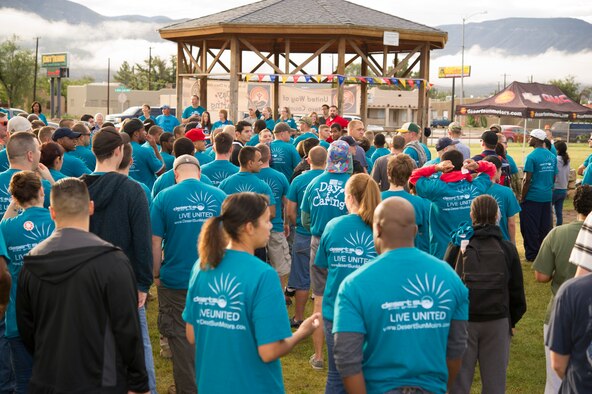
4	123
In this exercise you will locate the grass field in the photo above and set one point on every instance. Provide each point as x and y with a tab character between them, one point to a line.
526	372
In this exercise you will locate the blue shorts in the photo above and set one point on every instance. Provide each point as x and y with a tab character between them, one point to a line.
300	273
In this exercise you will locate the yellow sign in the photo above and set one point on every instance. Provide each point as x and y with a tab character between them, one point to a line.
54	60
453	72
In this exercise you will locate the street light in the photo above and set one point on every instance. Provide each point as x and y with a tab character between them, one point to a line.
462	67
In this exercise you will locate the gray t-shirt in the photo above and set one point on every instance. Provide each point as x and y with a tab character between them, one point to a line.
562	177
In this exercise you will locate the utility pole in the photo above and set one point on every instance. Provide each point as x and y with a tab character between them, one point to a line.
505	76
108	83
36	64
149	65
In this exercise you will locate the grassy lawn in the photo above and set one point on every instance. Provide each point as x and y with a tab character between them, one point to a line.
526	372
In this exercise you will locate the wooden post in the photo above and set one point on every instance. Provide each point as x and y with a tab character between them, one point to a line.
180	70
340	71
234	70
276	84
203	82
287	53
422	105
364	90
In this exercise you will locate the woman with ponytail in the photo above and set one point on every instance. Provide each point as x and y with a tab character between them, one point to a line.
235	310
346	245
561	181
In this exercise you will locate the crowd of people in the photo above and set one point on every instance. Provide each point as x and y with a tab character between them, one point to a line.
410	261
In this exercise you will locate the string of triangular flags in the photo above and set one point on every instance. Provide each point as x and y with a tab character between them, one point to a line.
341	79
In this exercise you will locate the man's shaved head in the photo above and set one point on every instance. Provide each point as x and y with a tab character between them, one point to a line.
394	225
318	156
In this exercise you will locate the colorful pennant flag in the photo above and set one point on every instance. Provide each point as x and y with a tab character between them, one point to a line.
296	78
403	82
370	80
307	77
340	79
330	78
272	77
284	78
260	77
362	79
319	78
387	80
411	83
418	83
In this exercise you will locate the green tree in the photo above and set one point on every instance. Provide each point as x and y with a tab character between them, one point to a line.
17	68
569	86
162	73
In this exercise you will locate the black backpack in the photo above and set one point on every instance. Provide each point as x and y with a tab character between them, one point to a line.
506	178
483	268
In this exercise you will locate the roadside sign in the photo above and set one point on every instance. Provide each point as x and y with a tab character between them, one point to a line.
122	98
453	72
391	38
55	60
122	89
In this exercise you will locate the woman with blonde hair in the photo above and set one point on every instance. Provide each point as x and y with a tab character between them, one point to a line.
235	311
286	117
315	120
346	244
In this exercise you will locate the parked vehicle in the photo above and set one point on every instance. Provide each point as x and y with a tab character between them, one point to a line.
442	122
135	112
577	131
512	133
12	112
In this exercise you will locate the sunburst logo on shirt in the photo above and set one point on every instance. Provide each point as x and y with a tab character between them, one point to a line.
361	243
430	292
203	201
37	233
227	292
245	187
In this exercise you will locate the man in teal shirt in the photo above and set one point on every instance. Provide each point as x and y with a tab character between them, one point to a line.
401	320
536	218
177	216
198	137
284	155
147	161
306	130
193	109
221	168
167	121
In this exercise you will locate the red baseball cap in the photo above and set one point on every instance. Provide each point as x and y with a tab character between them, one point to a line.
196	135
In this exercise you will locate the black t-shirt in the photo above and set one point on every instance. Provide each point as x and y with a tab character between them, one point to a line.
570	332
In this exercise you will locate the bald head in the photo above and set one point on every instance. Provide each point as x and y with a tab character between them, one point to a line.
394	225
317	157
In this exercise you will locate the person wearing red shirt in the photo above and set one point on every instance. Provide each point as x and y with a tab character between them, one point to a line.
335	118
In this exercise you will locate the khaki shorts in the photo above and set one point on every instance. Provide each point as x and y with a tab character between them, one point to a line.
278	253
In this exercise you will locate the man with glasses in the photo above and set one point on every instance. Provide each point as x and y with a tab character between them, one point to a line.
82	150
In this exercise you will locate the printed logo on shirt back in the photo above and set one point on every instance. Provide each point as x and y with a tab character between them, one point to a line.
224	306
201	206
217	177
330	193
359	250
278	155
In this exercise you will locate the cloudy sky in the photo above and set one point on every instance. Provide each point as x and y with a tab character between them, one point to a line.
119	41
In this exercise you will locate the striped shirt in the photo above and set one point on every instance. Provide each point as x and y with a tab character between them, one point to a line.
582	252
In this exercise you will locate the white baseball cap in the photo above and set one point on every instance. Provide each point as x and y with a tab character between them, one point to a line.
538	134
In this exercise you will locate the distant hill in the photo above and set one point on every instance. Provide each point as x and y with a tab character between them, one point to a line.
74	13
521	36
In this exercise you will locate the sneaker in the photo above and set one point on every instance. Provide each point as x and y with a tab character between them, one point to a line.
295	323
317	365
289	292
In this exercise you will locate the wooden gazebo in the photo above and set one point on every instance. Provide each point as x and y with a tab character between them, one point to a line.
275	30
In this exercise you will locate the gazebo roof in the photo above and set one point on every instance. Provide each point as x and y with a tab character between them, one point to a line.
286	16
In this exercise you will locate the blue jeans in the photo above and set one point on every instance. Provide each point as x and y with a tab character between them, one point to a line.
6	374
334	382
22	364
558	198
148	359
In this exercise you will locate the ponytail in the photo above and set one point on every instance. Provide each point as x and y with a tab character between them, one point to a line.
212	243
366	192
562	151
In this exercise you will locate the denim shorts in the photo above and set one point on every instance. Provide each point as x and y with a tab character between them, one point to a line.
300	273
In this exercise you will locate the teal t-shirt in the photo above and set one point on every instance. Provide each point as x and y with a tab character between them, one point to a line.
585	164
512	163
279	185
542	164
85	154
325	144
177	215
21	234
219	124
191	110
203	158
378	153
56	175
296	194
247	182
507	203
168	123
587	180
73	166
5	196
303	137
147	191
219	170
402	302
168	179
4	164
324	199
145	165
168	160
269	124
427	151
284	157
253	141
432	162
289	121
234	309
370	152
143	118
345	246
421	207
451	205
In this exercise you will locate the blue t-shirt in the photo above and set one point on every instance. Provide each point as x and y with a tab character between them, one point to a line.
73	166
279	185
507	203
403	303
56	175
587	161
345	246
4	164
145	165
85	154
296	194
253	141
143	118
269	124
5	196
512	163
303	137
247	182
203	158
219	124
168	123
191	110
325	144
587	180
219	170
324	199
168	179
21	234
284	157
42	118
168	160
370	152
542	164
422	216
379	153
432	162
234	309
177	215
289	121
451	205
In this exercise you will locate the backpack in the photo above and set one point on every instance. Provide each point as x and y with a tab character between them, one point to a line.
422	158
506	178
483	268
